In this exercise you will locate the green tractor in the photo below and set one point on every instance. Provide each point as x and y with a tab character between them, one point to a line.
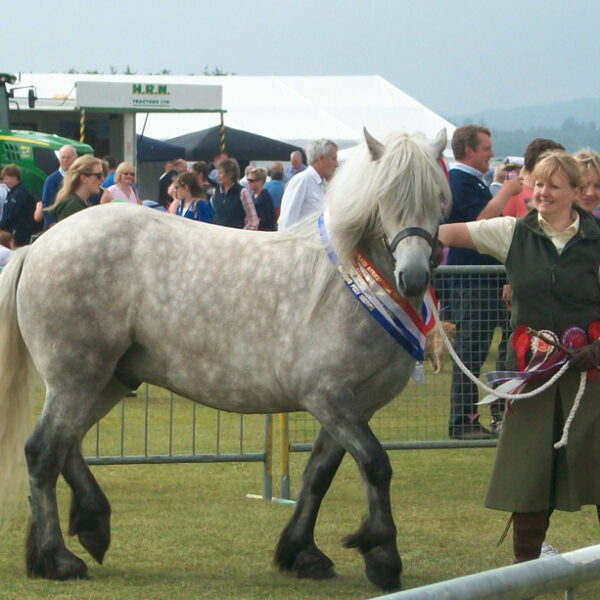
32	151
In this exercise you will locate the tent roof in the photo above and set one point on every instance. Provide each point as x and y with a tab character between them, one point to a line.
245	146
292	109
155	150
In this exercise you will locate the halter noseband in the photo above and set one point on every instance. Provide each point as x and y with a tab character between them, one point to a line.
436	246
408	232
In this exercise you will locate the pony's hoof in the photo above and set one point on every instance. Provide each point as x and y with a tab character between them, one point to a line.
95	536
308	562
73	568
62	567
383	567
92	528
96	543
311	563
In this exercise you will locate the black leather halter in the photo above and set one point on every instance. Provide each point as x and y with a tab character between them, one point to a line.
411	231
436	246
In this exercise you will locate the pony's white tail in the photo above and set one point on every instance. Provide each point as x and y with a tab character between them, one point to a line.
15	409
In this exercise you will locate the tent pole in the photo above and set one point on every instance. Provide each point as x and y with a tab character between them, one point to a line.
82	126
222	134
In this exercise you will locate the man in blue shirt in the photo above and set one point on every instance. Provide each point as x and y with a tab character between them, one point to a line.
477	307
66	156
296	166
275	186
110	177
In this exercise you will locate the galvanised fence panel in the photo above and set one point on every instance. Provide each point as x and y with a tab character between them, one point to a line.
156	426
419	417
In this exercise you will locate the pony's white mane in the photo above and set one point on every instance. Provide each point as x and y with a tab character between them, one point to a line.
405	185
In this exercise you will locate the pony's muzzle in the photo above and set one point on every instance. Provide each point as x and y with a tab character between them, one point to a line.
412	282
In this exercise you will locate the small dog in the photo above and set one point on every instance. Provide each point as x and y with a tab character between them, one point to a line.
435	348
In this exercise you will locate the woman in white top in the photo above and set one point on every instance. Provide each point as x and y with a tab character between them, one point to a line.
123	190
552	258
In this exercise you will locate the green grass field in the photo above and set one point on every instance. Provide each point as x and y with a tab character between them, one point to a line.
188	531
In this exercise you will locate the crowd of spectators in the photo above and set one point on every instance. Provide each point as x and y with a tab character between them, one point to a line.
209	192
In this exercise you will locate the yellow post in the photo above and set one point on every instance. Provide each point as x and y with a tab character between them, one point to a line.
82	126
268	466
285	457
222	135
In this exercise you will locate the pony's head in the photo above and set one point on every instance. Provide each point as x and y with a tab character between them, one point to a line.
393	191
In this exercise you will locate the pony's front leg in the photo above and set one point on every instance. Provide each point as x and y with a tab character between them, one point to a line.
296	550
376	537
46	553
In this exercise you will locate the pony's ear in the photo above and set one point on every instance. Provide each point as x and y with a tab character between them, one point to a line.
376	148
439	144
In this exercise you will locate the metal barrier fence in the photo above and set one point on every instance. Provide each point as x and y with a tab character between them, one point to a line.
516	582
157	427
419	417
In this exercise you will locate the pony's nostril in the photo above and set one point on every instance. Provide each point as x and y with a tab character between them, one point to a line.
413	285
401	281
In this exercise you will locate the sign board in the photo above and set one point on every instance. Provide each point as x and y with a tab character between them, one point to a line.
140	96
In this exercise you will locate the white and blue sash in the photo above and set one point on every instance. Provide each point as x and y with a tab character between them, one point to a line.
407	326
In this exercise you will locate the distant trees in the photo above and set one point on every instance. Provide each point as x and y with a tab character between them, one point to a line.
114	71
214	71
572	134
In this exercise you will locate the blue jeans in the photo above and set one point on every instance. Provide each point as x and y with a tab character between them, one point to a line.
477	309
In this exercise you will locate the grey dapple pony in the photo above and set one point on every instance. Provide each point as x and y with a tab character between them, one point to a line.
271	326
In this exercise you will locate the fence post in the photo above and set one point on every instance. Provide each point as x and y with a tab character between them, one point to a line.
268	464
285	457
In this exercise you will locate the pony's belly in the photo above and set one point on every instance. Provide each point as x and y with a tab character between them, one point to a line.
243	399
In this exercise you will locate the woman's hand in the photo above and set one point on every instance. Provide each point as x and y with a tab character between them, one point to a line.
586	358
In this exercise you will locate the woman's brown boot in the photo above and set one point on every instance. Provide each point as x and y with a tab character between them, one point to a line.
529	531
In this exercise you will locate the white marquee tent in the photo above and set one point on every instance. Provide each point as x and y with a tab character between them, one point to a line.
292	109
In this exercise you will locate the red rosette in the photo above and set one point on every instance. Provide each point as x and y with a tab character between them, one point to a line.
573	338
521	341
594	331
593	335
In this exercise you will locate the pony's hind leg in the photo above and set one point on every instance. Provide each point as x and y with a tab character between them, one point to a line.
53	448
46	554
89	517
296	550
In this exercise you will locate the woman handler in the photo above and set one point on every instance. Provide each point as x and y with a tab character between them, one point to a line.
552	258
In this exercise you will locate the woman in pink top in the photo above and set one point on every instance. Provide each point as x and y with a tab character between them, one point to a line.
122	190
520	204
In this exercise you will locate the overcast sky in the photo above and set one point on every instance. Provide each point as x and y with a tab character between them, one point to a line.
454	57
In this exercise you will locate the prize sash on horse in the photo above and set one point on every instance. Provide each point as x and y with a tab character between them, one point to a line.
407	326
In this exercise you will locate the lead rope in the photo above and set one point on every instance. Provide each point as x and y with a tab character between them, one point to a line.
581	390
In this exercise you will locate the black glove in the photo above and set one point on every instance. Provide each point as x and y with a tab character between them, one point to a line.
586	358
437	254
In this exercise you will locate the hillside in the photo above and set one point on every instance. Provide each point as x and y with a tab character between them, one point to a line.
572	123
583	110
